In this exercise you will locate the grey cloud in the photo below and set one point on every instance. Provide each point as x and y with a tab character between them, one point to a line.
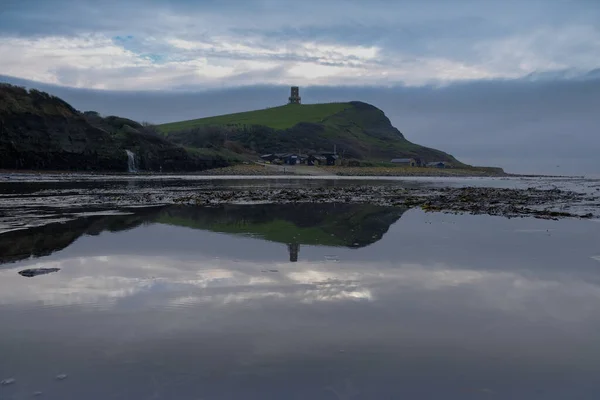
426	42
410	25
241	78
442	37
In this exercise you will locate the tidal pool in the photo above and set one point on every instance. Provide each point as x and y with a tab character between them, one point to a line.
296	301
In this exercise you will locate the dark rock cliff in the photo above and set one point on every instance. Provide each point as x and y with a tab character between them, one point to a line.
40	131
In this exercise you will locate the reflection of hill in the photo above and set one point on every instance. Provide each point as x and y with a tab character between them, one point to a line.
311	224
45	240
292	224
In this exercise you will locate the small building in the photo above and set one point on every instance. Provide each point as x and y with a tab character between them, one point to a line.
268	157
288	158
279	158
301	158
292	159
411	162
331	158
437	164
314	159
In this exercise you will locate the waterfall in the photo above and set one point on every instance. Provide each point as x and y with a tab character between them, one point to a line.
131	167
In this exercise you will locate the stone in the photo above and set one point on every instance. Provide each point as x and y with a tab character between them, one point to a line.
37	271
7	381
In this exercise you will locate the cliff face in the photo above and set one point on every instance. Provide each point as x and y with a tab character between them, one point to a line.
365	132
40	131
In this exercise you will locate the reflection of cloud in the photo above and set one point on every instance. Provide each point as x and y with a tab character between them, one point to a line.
104	280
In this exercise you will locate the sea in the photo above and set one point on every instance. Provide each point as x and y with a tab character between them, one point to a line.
105	298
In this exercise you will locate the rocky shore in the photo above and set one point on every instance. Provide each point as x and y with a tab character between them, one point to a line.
548	204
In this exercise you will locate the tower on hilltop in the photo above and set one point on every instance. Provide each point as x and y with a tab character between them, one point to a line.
295	95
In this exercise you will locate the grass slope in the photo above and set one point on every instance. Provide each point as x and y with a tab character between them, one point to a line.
282	117
356	129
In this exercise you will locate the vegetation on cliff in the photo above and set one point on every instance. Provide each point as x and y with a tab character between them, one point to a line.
41	131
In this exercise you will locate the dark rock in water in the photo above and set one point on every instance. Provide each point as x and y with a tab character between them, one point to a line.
8	381
37	271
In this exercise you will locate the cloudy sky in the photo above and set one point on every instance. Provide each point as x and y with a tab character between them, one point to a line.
465	76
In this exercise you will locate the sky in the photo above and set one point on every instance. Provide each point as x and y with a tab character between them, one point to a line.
512	83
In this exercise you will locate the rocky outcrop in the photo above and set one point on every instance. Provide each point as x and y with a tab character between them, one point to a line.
32	272
40	131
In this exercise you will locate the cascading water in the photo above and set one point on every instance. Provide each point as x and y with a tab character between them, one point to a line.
131	167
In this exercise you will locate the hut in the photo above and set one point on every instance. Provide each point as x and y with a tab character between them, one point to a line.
411	162
268	157
331	158
437	164
315	159
290	159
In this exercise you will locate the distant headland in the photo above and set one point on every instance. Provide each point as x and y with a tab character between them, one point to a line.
39	131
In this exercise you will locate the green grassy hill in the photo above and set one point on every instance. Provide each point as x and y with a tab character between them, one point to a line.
357	130
282	117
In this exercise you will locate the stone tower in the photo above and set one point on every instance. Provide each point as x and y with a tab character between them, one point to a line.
295	95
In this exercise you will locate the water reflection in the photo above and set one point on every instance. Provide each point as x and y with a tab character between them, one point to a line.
334	225
179	303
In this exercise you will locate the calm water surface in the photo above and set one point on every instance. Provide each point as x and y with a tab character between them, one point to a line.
300	302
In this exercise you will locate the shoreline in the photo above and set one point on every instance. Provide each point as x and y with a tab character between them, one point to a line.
511	203
548	201
302	170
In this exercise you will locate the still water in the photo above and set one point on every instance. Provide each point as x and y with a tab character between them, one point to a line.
301	302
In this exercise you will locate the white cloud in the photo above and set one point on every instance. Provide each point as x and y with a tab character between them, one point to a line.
226	59
41	58
542	49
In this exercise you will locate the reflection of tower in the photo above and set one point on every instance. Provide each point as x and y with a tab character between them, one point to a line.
293	248
295	95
